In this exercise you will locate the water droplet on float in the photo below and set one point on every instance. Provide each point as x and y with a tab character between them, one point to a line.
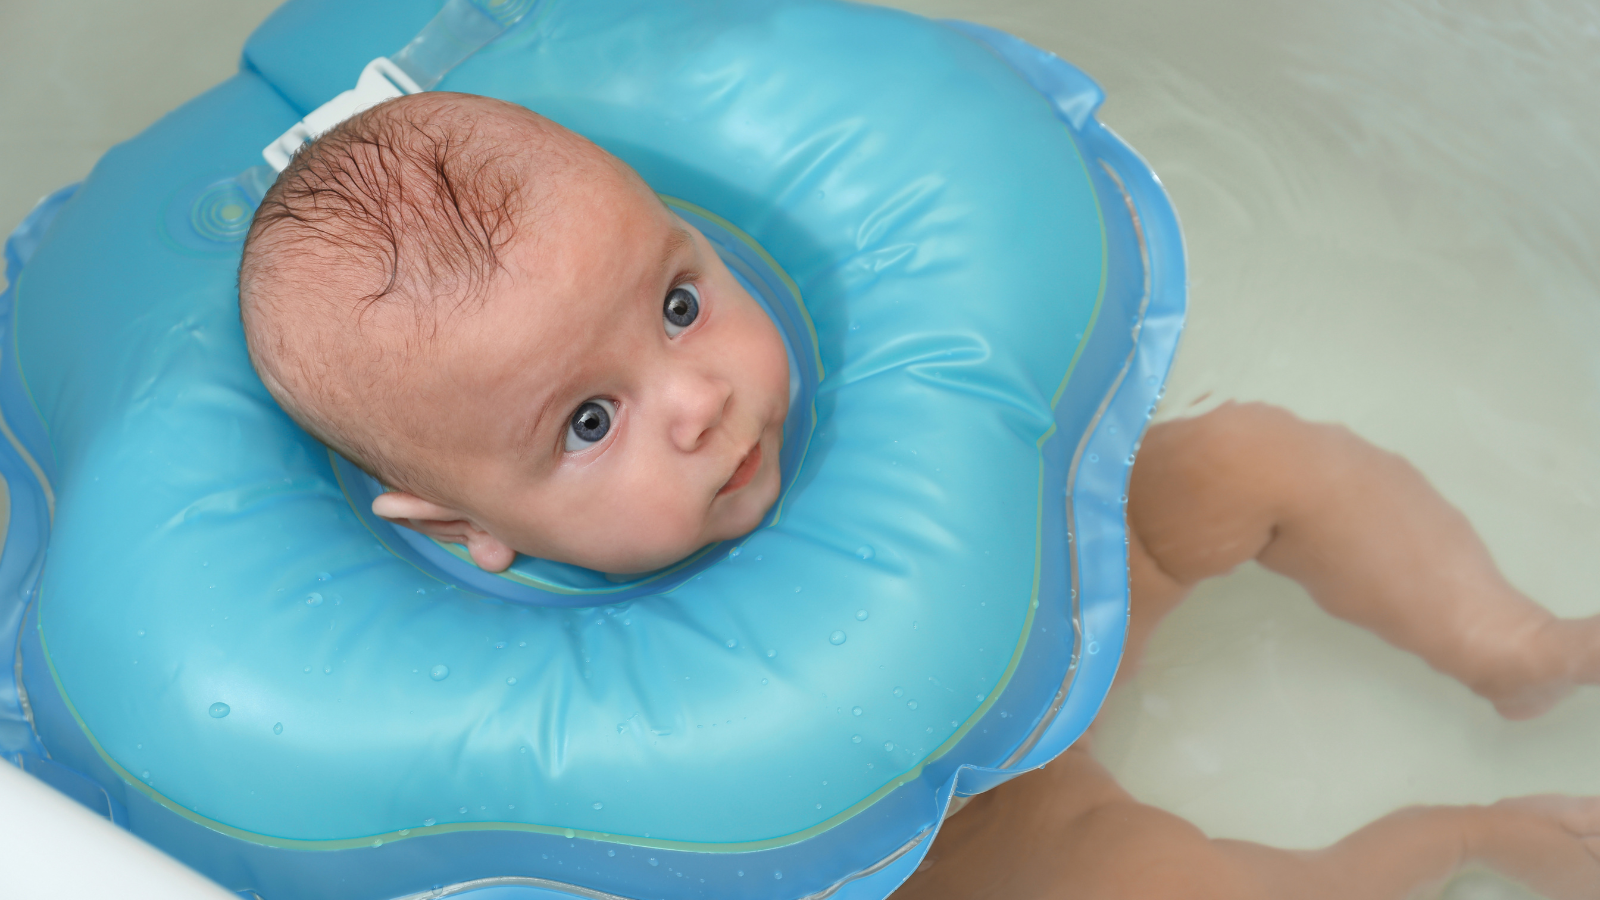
734	552
771	653
861	615
819	806
141	632
654	861
899	691
777	875
911	704
855	738
404	832
763	681
855	710
611	853
797	589
327	670
308	670
376	842
428	823
511	680
277	728
1093	648
324	576
313	599
219	710
439	673
865	552
145	774
462	810
500	645
569	833
599	805
888	745
836	638
732	643
1094	457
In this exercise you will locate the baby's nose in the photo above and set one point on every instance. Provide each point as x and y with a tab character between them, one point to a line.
698	401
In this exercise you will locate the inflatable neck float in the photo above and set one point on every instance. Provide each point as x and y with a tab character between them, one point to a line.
218	647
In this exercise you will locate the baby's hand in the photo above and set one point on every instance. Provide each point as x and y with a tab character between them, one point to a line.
444	524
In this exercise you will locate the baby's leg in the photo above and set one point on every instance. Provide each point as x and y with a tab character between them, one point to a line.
1069	832
1363	531
1233	483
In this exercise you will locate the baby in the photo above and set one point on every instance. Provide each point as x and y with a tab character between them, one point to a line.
505	326
502	323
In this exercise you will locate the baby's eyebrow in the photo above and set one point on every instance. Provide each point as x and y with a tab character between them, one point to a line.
677	239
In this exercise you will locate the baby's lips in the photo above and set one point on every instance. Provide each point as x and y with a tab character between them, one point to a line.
745	472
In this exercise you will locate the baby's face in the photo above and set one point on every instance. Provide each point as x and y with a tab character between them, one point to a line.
619	400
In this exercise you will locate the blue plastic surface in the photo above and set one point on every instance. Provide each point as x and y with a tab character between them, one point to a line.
988	327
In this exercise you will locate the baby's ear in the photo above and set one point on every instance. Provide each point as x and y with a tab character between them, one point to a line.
443	523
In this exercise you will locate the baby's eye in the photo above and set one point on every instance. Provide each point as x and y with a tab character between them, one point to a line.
589	424
681	308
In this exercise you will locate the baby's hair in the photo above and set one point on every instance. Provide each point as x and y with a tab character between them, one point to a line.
390	222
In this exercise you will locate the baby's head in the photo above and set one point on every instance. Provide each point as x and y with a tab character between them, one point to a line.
505	326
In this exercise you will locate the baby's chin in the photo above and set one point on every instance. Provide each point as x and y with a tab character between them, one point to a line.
731	520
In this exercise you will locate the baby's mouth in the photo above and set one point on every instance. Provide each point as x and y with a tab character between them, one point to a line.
746	471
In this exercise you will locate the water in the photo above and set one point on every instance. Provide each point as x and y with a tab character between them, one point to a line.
836	638
439	673
1390	213
1364	186
277	728
219	710
861	615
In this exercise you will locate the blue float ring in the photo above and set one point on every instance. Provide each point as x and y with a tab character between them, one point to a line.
124	375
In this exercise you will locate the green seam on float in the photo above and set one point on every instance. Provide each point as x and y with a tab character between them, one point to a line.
5	427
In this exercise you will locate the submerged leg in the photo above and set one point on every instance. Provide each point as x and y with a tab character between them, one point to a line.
1366	535
1069	832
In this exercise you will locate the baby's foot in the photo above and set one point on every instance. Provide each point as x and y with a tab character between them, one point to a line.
1549	842
1555	658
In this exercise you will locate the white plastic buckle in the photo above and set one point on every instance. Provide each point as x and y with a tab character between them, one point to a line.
380	80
